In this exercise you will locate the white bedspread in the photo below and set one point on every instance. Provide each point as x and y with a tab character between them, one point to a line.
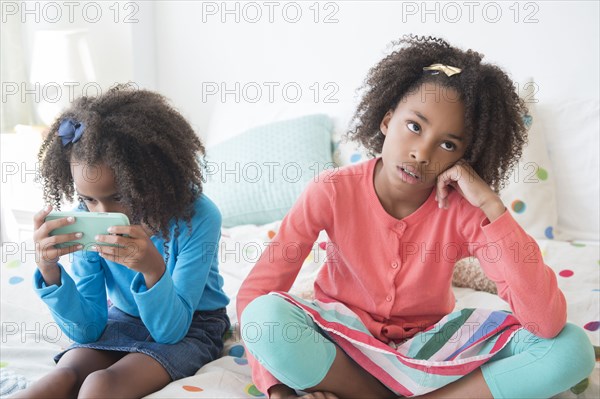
30	338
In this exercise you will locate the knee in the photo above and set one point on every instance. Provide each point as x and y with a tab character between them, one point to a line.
264	310
576	341
98	385
66	377
573	351
270	325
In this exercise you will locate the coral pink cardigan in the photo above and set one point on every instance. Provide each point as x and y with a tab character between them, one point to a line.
396	274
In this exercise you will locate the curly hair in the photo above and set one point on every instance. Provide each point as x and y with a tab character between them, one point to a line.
493	110
152	150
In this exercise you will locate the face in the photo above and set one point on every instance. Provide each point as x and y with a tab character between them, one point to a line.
424	135
95	187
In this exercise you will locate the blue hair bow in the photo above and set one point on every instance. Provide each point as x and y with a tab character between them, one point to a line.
70	131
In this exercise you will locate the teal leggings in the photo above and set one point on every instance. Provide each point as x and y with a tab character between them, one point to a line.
294	349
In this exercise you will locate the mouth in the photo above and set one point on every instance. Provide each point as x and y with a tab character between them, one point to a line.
410	172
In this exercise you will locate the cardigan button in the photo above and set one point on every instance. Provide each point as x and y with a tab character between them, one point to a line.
388	298
394	265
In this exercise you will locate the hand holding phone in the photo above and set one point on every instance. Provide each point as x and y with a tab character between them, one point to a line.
90	224
61	234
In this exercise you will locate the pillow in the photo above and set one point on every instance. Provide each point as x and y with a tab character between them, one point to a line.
572	135
468	273
346	152
256	176
530	193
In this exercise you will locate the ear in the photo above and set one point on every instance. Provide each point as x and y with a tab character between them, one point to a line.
385	122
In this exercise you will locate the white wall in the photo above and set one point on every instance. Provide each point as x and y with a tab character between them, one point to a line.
199	45
108	35
179	48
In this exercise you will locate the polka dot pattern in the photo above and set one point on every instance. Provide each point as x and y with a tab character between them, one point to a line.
253	391
518	206
530	190
566	273
549	233
581	387
237	351
592	326
542	174
356	157
15	280
13	264
527	120
271	234
192	388
241	361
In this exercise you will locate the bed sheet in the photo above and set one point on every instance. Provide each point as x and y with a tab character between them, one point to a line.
30	338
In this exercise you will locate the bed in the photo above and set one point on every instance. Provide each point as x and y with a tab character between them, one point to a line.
562	219
30	338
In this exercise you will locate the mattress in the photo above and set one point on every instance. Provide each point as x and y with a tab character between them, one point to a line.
30	338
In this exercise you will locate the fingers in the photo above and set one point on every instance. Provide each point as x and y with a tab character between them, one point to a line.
121	236
68	249
123	252
38	218
447	178
47	253
441	193
132	231
46	228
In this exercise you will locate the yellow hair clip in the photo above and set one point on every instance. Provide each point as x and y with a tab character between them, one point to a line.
447	69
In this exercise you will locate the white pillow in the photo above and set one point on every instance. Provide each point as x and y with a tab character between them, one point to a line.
572	130
530	193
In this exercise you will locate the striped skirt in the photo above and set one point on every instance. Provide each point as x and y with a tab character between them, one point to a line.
446	351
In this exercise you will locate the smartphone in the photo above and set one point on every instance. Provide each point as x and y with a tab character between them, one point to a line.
90	224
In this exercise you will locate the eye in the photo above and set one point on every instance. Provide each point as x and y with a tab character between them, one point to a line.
84	199
413	127
117	198
448	146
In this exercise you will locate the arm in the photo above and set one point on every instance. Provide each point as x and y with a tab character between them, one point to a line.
513	260
506	253
80	308
275	272
168	306
78	305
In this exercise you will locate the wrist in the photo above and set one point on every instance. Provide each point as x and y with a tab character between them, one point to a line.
50	274
152	277
493	208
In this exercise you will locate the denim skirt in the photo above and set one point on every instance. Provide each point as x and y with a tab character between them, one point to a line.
202	344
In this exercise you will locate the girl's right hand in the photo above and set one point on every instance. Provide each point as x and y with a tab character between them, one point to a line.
46	255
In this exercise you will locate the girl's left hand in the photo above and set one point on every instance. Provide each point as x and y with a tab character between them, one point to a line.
463	178
135	250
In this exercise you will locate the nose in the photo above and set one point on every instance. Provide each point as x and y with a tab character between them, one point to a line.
102	207
421	155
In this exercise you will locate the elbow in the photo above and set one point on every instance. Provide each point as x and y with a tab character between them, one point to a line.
173	335
170	340
550	327
547	332
86	334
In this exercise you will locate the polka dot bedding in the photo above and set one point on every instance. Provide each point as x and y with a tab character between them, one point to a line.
30	338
